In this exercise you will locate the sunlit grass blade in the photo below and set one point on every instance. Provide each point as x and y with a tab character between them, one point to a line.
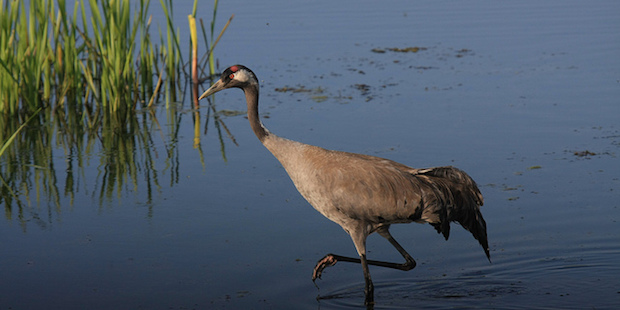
194	58
6	143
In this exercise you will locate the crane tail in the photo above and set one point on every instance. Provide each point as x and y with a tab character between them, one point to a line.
476	225
469	219
466	212
461	203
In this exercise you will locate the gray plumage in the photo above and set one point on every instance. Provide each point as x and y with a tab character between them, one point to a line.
366	194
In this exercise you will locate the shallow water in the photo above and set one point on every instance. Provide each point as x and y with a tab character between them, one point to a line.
512	93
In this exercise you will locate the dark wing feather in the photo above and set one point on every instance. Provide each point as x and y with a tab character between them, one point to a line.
462	201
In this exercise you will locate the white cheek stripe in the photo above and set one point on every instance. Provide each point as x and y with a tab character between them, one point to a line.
242	76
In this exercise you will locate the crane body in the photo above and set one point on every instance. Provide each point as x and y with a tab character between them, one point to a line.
366	194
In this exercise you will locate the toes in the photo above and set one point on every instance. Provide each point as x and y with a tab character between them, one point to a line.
327	261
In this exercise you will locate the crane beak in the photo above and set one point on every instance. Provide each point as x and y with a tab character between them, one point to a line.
213	89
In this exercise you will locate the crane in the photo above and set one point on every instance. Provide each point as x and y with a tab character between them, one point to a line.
365	194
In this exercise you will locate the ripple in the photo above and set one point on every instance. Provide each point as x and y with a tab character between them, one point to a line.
441	293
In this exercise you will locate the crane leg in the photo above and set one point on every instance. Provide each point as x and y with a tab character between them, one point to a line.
369	288
331	259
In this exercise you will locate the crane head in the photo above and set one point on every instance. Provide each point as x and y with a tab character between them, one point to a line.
238	76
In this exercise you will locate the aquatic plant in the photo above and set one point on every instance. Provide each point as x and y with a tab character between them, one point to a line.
85	80
100	56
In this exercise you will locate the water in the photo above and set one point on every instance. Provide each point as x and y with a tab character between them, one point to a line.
513	93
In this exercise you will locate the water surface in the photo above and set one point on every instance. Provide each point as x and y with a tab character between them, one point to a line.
512	93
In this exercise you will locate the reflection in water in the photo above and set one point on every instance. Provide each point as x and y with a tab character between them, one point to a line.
444	292
131	157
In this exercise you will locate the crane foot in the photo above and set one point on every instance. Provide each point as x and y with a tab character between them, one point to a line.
327	261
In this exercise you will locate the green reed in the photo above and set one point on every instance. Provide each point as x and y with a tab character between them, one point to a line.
98	56
83	80
24	50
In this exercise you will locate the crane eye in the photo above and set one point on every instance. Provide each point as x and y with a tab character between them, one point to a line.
231	76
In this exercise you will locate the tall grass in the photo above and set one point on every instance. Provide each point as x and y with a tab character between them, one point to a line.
86	78
24	54
99	56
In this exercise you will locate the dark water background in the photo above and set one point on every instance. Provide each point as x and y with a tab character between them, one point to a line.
514	93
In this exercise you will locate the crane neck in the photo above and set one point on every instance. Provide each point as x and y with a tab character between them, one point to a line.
251	98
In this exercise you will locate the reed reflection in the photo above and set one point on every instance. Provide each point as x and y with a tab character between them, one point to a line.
58	157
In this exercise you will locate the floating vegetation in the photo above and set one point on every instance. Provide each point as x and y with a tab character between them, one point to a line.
300	89
364	88
412	49
585	153
319	98
230	113
462	52
536	167
317	93
424	67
